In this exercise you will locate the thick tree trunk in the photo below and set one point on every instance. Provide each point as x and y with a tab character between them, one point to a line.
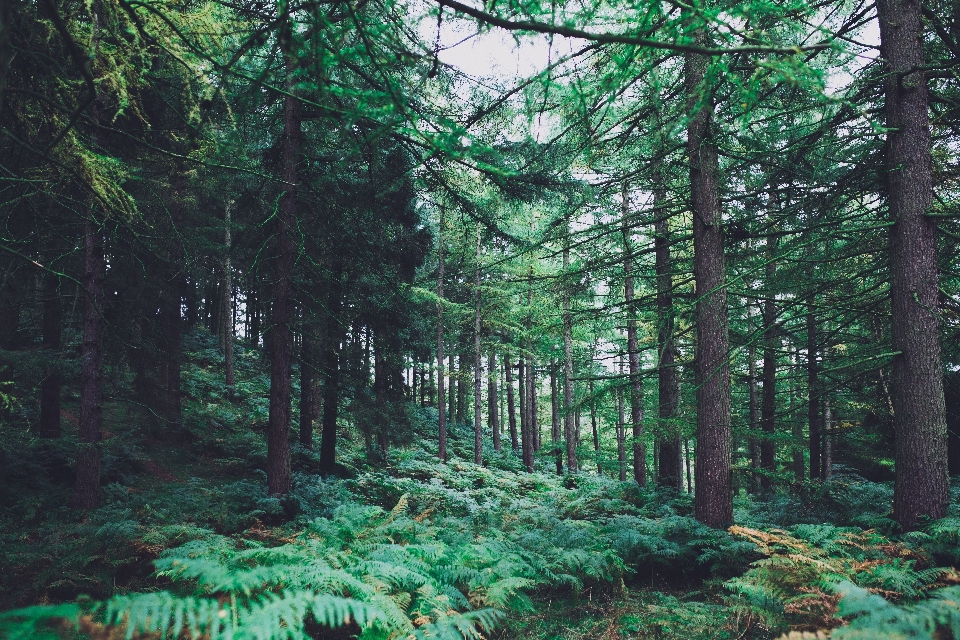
441	391
670	468
713	502
492	407
52	328
633	350
281	333
768	460
569	426
86	488
922	485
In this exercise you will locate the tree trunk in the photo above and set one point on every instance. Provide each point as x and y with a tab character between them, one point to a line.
281	334
813	392
593	427
569	427
826	469
307	391
451	369
492	407
511	402
441	399
713	502
86	488
331	369
621	430
633	350
754	418
555	418
670	468
52	328
768	457
922	485
227	313
477	362
462	376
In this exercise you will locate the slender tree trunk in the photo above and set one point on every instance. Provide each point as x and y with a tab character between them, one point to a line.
754	418
86	488
477	362
826	469
555	418
713	502
922	485
227	301
593	427
768	459
492	396
670	468
526	424
331	367
52	328
307	391
569	426
534	417
797	424
463	370
451	369
686	450
253	312
621	430
813	392
281	334
511	402
441	391
633	350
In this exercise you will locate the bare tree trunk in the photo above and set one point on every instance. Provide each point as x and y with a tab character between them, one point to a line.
754	418
713	501
492	407
813	392
555	418
569	426
451	370
441	400
281	333
768	457
621	430
86	488
52	329
477	362
307	391
227	313
633	350
826	470
922	485
331	362
670	468
511	402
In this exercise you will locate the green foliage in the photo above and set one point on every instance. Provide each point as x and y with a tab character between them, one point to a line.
871	616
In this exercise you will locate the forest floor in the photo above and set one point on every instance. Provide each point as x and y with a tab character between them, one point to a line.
559	557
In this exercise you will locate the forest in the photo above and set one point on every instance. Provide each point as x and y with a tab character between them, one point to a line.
446	319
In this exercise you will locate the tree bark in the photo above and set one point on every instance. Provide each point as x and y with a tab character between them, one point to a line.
713	501
227	313
569	427
86	488
754	418
331	369
621	430
492	407
307	391
441	399
921	487
511	402
555	418
826	469
633	350
477	362
281	334
670	469
52	328
813	392
768	459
